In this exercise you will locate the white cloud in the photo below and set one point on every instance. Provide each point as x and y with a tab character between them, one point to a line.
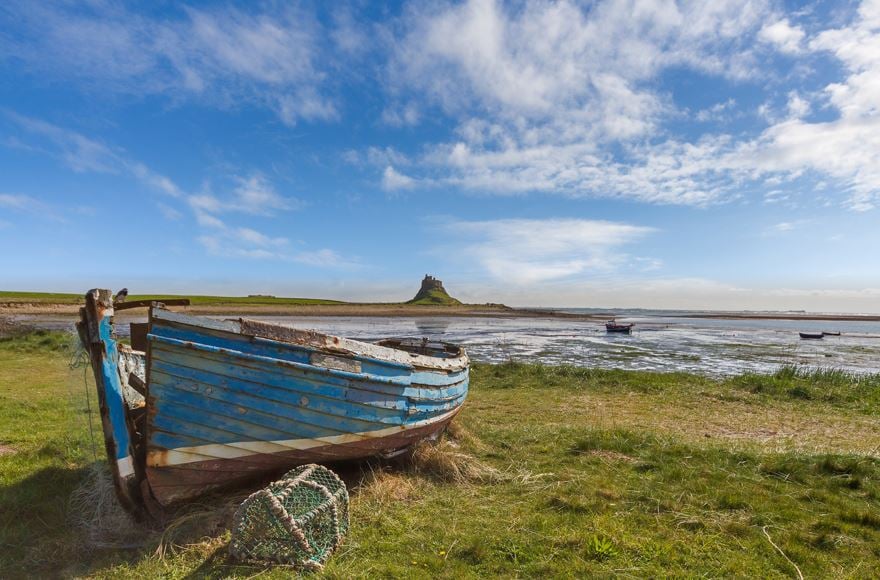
529	251
252	195
543	89
560	64
18	202
29	205
249	244
401	116
324	258
552	97
256	238
716	111
393	180
169	212
85	155
268	55
784	227
797	107
256	195
783	35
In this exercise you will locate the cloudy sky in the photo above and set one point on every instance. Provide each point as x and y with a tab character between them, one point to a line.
652	153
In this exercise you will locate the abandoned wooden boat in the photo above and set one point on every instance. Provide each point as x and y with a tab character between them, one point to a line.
613	326
197	404
811	335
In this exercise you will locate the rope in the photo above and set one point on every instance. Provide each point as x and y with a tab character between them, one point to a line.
778	549
80	359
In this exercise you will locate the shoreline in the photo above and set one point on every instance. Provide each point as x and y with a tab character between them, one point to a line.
16	308
12	309
784	316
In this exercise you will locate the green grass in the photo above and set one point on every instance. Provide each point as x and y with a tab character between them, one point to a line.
603	473
56	298
434	297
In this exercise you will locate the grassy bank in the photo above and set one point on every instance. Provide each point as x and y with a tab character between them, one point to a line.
31	303
60	298
551	471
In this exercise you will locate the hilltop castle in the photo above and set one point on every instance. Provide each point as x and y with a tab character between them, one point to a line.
431	283
433	292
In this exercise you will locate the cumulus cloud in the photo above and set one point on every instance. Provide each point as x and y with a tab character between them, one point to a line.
393	180
543	89
528	251
783	35
558	98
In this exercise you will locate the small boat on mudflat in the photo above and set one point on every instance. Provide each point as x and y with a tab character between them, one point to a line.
613	326
831	333
812	335
198	404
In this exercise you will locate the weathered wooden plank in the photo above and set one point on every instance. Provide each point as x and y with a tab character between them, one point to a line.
149	303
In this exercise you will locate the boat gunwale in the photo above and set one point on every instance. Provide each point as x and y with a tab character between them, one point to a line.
325	343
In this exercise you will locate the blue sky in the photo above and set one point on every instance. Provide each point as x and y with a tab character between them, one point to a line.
625	153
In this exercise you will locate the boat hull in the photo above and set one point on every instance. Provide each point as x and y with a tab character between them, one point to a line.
619	329
218	404
224	407
811	336
172	483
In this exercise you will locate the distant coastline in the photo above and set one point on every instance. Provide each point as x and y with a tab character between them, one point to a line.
68	305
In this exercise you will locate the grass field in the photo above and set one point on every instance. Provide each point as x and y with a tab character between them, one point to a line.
56	298
550	472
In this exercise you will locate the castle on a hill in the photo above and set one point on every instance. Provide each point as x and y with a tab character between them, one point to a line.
433	292
431	283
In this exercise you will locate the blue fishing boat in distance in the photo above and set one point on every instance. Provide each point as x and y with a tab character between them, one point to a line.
196	404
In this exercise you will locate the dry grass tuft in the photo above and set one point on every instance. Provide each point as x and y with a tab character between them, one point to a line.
445	462
199	526
612	455
383	486
95	510
458	433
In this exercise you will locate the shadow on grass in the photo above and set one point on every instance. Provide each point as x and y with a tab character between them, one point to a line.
36	533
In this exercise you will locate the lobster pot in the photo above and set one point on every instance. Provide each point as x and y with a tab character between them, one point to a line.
298	520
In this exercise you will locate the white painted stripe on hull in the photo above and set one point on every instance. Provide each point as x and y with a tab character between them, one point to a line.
235	450
125	467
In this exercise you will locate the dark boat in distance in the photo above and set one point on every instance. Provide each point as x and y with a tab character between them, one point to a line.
812	335
831	333
197	404
613	326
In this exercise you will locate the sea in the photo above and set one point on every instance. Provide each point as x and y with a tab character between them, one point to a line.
661	340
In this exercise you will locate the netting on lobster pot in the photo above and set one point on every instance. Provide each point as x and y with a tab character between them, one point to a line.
298	520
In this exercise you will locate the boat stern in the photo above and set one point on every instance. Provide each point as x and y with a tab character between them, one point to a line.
95	329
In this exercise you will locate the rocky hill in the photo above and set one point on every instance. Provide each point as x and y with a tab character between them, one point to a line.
432	293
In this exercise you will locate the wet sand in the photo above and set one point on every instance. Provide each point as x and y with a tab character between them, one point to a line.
320	310
14	308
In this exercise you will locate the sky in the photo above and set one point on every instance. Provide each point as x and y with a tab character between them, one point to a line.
655	154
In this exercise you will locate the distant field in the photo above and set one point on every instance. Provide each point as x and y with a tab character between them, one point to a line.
58	298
